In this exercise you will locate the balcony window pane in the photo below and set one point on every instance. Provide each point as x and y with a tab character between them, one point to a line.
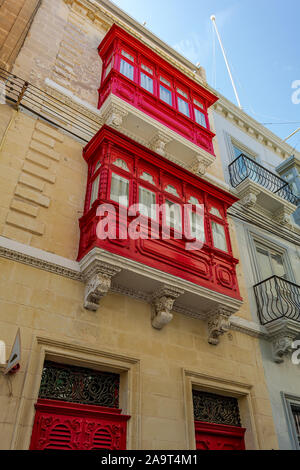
264	263
219	236
173	215
200	118
197	226
166	82
119	190
144	67
147	202
182	92
278	264
183	107
127	69
165	95
130	57
146	82
197	103
108	68
95	190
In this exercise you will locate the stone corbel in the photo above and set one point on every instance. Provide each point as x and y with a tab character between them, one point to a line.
199	166
283	216
218	323
158	143
162	305
98	283
281	347
282	333
249	200
114	116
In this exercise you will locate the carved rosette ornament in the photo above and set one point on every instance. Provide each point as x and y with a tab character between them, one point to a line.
162	305
218	323
98	283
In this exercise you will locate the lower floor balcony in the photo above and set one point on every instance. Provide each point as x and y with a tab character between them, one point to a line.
278	302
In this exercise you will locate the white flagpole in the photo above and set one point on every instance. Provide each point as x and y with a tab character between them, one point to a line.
291	135
213	19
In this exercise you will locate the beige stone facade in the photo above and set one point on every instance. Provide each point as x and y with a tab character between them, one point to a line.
42	185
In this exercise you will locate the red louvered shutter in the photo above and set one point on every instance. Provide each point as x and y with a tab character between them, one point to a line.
62	425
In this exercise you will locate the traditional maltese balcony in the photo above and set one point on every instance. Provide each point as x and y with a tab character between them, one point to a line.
152	102
156	266
278	303
259	188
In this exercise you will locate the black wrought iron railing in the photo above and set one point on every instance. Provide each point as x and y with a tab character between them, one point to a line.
244	167
277	298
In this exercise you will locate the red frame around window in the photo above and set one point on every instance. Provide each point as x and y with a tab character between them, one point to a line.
211	436
209	267
151	103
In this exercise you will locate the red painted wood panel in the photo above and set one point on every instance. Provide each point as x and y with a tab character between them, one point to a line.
219	437
60	425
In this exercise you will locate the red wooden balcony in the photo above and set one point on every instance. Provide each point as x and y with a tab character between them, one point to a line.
117	163
148	83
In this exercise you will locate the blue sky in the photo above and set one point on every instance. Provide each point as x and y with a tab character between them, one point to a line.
262	42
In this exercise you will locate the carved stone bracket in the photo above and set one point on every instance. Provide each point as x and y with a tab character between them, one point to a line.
283	216
114	116
158	143
282	333
162	305
218	323
250	200
199	166
98	283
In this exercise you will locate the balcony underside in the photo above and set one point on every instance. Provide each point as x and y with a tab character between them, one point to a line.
253	195
132	122
163	291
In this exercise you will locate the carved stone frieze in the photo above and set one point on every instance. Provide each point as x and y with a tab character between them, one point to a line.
162	305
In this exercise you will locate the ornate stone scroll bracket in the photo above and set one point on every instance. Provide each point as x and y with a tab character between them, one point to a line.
162	305
283	216
249	200
114	116
199	166
158	143
218	323
282	332
98	283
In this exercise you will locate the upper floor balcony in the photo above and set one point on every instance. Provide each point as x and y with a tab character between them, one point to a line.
259	187
150	100
140	217
278	303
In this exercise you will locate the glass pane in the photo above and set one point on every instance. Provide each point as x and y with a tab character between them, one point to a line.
183	107
165	95
97	167
181	92
119	190
197	226
108	68
278	265
264	263
219	236
215	212
200	118
144	67
146	82
166	82
173	215
126	69
147	177
197	103
130	57
172	190
238	152
121	164
95	190
147	202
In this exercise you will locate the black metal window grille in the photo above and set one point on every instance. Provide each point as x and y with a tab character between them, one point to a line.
296	415
79	385
216	409
277	298
244	167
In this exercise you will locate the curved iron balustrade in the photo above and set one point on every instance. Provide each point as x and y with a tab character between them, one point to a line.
277	298
244	167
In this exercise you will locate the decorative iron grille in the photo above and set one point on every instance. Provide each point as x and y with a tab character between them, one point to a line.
277	298
216	409
244	167
296	415
79	385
